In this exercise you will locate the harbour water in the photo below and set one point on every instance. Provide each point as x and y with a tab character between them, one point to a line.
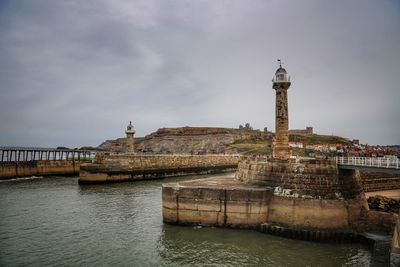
56	222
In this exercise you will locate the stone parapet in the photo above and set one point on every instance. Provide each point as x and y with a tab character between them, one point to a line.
108	167
9	170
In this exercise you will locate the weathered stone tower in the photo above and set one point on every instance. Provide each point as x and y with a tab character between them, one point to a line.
130	132
281	83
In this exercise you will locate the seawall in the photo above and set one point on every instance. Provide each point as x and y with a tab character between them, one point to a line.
9	170
379	181
108	167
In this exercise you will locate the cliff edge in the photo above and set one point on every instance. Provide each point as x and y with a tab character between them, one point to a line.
208	140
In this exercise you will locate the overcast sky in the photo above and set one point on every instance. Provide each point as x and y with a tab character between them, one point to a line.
75	72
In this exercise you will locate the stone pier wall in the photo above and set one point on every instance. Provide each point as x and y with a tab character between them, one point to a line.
115	168
9	170
215	202
318	176
379	181
230	202
308	213
310	177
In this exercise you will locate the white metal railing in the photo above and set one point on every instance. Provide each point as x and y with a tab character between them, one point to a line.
389	163
281	80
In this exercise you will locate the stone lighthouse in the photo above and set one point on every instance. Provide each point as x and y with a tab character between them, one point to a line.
130	132
281	83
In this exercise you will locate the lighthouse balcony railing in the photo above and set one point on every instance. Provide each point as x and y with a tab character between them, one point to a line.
280	80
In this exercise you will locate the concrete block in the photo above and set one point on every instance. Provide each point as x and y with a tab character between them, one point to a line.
170	215
280	213
189	192
169	202
187	203
189	216
169	189
320	217
209	217
258	207
236	218
209	205
260	195
221	218
238	206
212	193
237	194
256	219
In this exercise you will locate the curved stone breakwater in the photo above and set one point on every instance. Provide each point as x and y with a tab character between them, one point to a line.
306	193
308	199
108	167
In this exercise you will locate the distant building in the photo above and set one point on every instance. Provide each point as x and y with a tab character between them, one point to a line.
296	144
307	130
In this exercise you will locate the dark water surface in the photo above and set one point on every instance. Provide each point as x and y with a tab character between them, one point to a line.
54	221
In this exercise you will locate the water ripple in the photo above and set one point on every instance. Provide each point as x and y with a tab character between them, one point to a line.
56	222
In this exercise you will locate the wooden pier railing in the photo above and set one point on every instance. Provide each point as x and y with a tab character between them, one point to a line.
11	154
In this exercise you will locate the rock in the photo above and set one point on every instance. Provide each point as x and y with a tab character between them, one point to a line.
381	203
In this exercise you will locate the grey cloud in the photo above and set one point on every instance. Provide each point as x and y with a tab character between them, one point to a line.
73	73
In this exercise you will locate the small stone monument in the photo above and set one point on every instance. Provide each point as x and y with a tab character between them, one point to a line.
130	143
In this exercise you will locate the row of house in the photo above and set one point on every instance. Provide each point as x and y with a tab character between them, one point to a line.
319	147
352	150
